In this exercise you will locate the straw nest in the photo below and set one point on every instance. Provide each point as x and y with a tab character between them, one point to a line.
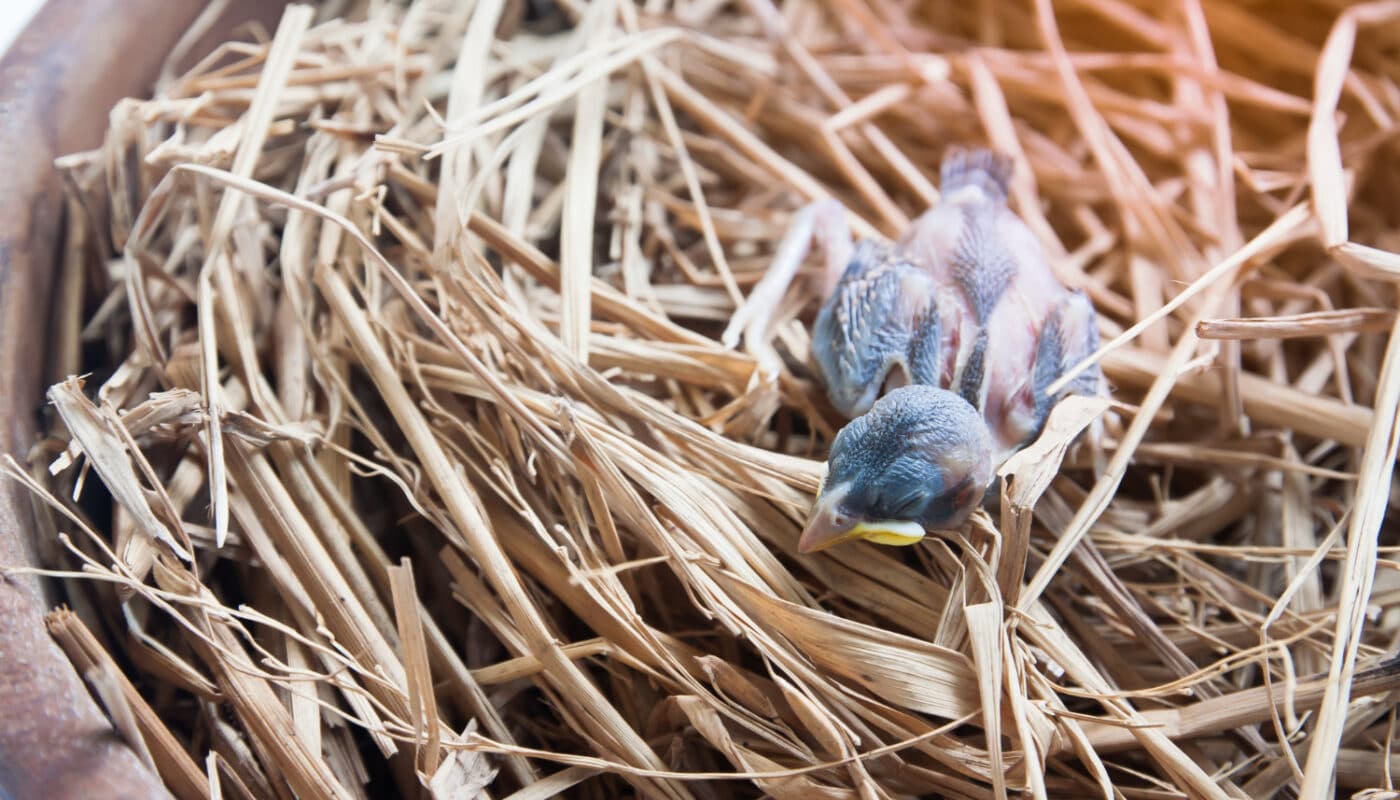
400	327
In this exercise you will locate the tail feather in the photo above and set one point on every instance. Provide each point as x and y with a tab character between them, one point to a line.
987	170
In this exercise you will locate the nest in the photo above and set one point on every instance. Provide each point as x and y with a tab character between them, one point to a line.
422	463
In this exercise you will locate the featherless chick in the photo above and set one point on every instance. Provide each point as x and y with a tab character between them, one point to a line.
939	348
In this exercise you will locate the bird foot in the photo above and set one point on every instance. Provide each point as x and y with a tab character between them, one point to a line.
822	222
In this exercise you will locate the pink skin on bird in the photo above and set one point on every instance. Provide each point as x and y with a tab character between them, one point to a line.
970	254
1014	327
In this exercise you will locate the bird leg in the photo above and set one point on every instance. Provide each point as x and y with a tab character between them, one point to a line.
823	222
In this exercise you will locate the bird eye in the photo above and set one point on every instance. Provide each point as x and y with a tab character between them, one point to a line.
908	505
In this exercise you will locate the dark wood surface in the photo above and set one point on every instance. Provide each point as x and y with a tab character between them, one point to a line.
57	84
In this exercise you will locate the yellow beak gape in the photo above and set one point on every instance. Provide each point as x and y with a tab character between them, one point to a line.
897	533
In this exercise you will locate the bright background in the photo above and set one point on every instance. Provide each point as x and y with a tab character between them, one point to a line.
14	14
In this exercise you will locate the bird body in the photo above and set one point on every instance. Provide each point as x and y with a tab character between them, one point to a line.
992	280
940	347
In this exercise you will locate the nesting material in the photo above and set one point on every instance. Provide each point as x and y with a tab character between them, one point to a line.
422	463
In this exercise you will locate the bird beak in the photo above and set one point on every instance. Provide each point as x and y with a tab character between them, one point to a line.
893	532
825	530
828	527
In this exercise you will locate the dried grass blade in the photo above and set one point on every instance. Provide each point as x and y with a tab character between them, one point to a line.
911	674
1025	477
280	60
463	775
1315	323
154	740
555	784
1267	402
463	99
252	698
1329	193
1278	233
107	453
1358	572
1047	634
1236	709
581	193
477	533
984	631
421	703
1097	501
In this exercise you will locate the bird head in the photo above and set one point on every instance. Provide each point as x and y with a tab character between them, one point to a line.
920	460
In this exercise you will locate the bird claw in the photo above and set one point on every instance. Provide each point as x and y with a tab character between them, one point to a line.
822	222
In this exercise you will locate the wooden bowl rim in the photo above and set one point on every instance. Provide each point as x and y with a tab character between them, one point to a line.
58	81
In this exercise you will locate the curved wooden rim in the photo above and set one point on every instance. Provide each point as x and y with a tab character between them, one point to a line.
74	61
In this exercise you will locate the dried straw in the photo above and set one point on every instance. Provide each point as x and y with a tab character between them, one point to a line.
431	473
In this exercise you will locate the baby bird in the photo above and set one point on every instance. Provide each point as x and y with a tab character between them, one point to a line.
939	347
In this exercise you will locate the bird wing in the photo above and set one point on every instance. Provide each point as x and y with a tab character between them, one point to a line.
869	325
